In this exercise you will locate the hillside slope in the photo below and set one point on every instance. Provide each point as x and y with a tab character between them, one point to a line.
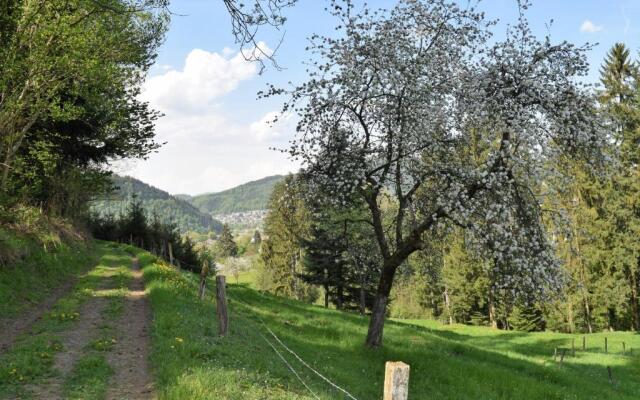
447	362
246	197
154	200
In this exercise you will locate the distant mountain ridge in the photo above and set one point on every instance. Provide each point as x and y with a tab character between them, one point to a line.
249	196
155	201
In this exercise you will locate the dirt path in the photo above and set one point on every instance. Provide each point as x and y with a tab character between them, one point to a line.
74	342
13	327
130	356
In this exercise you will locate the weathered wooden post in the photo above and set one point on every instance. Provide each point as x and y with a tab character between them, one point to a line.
624	348
221	305
573	347
396	381
584	343
606	346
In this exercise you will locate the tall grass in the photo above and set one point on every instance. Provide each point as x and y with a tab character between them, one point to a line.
37	254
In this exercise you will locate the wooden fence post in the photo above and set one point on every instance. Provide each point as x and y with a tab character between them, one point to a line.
221	305
573	347
584	343
396	381
624	348
606	346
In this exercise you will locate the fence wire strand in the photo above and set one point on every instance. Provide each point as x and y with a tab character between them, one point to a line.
289	366
308	366
349	395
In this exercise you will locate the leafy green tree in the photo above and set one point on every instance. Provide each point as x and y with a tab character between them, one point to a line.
63	58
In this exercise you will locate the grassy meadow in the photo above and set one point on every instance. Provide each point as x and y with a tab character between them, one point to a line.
191	361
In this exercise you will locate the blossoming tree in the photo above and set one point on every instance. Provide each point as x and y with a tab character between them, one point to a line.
416	106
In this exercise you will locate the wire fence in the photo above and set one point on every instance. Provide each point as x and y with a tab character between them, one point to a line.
297	357
284	360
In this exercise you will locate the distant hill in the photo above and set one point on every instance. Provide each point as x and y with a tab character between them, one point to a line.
246	197
154	200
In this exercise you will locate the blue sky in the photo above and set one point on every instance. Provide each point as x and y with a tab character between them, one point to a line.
215	127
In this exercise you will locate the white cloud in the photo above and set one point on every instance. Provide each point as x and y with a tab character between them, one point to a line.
207	148
266	130
589	27
205	77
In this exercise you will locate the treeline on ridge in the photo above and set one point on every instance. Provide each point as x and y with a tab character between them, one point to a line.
150	233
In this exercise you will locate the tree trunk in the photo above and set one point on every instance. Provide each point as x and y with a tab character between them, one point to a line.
492	310
326	296
447	305
571	322
340	289
376	323
363	305
634	301
294	280
587	311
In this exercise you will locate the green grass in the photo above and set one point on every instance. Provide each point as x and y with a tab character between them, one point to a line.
30	360
89	378
247	278
191	361
29	281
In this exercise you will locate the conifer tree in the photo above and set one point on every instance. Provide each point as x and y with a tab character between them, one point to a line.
286	225
257	238
228	247
621	207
